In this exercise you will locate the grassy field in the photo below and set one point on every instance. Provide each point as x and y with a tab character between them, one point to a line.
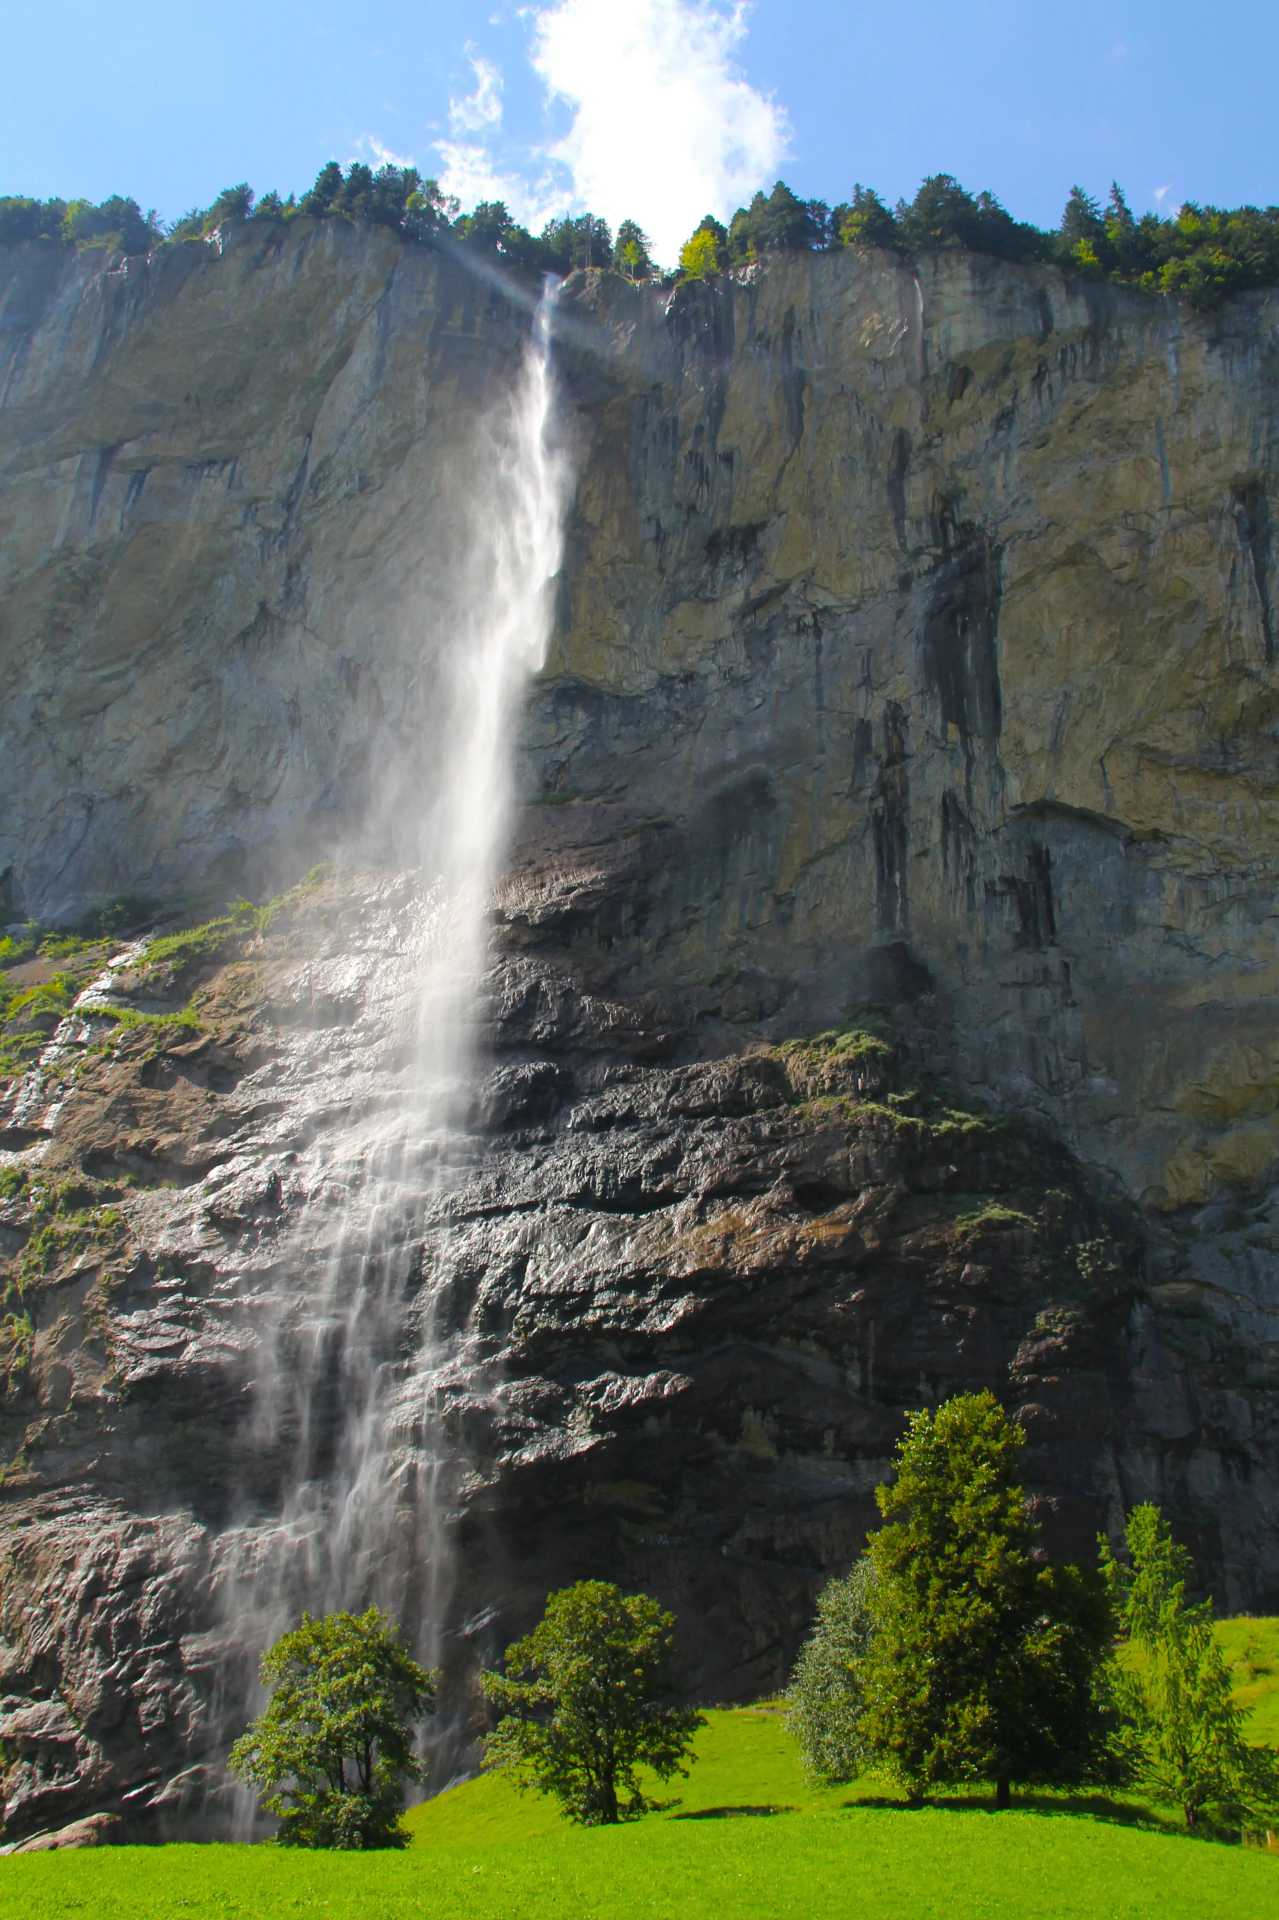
1251	1649
747	1839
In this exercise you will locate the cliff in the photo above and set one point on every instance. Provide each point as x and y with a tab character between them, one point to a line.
913	677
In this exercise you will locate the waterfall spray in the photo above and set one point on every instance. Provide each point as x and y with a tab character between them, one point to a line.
349	1376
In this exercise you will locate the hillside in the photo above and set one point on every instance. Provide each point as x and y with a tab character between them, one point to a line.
747	1837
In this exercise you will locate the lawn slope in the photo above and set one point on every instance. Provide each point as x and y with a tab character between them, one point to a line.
748	1840
1250	1649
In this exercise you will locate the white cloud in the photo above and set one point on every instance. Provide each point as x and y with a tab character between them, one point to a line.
472	171
472	174
482	108
664	128
370	150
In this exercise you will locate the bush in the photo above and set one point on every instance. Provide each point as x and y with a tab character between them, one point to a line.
826	1696
588	1711
335	1744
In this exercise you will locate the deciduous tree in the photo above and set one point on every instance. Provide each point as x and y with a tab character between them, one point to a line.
582	1697
335	1744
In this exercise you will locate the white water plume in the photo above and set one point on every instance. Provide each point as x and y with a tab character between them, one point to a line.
348	1393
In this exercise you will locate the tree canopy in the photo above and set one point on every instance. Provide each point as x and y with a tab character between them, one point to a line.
116	223
335	1743
1202	254
582	1699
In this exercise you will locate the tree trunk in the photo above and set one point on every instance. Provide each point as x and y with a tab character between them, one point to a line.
1003	1792
608	1801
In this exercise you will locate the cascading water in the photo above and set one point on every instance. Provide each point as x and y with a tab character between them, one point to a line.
347	1385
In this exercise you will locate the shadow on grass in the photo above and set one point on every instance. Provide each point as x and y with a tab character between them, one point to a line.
1093	1806
730	1813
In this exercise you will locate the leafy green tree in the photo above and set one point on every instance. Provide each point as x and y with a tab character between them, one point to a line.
1082	220
117	223
582	1700
1084	244
984	1660
334	1745
428	210
487	226
826	1696
702	254
328	185
1187	1734
582	240
23	219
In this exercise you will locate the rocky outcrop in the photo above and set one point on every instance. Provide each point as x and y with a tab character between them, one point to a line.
912	683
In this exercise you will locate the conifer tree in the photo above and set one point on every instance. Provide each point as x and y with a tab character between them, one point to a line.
984	1659
1187	1734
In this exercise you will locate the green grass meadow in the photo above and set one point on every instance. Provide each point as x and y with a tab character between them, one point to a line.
745	1837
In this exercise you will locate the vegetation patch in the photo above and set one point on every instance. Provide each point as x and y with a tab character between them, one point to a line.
1202	254
71	1218
859	1074
993	1215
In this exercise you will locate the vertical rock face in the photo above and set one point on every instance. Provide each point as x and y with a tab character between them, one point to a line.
913	679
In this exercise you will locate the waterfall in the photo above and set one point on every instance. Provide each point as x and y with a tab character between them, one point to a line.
350	1366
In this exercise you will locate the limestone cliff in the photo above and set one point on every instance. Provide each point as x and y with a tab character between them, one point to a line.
913	674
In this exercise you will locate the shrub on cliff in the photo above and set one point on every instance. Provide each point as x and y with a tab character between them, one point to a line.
1185	1732
582	1704
117	222
334	1745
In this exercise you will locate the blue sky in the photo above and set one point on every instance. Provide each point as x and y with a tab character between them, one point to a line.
660	109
